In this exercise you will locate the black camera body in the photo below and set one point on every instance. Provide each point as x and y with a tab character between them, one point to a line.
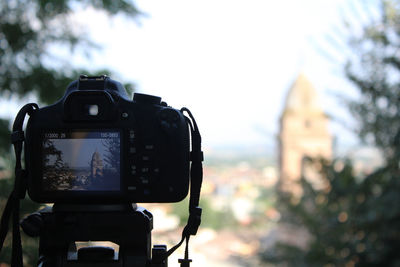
97	146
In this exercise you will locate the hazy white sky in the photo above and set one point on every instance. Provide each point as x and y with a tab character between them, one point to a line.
230	61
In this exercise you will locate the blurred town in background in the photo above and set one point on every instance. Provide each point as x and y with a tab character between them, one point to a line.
239	193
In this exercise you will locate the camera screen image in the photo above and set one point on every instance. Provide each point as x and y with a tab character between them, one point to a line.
81	161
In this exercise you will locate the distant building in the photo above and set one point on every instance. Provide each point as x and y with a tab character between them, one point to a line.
303	132
96	165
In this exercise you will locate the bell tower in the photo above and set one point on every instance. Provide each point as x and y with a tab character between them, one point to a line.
303	132
96	165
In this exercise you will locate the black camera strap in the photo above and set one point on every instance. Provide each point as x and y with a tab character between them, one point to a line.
13	202
196	179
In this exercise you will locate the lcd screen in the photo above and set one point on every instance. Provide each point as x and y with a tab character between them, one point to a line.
81	161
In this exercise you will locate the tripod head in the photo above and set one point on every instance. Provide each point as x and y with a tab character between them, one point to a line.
127	226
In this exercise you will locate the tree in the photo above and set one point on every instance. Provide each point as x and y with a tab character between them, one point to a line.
350	223
375	72
355	220
27	30
112	156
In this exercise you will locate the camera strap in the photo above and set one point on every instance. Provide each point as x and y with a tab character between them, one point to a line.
196	179
13	202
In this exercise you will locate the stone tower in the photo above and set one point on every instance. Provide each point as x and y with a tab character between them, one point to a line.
96	165
303	132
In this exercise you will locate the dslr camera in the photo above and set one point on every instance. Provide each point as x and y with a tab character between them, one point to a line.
95	153
98	146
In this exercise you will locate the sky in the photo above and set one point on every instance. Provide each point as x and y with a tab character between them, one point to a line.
231	62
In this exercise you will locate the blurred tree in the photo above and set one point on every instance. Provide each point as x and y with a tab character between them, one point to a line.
216	219
352	222
27	30
4	137
112	156
375	71
355	220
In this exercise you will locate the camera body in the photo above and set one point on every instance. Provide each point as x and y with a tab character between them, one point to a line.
95	145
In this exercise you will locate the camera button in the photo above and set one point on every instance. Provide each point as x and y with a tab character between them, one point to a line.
146	158
131	135
149	147
156	172
133	170
145	170
144	180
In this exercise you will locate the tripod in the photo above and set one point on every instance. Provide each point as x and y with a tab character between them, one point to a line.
128	226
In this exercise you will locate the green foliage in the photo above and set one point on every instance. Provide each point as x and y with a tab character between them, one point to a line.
28	29
375	72
4	138
30	245
351	222
211	217
264	202
216	218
